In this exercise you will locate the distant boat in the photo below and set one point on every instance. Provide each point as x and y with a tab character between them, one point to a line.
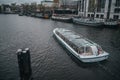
20	14
87	22
47	14
32	14
64	15
39	15
110	23
42	14
61	18
83	49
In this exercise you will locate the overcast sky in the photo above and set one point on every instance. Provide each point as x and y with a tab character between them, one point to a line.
19	1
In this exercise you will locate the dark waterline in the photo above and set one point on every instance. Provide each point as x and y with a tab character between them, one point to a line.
50	61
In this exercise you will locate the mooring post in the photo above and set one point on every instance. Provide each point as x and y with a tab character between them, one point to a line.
20	63
24	63
29	62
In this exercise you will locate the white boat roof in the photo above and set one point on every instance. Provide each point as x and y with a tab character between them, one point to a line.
79	41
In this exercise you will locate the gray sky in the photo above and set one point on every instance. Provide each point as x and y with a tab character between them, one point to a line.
19	1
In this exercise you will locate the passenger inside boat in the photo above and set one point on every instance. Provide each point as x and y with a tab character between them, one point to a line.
100	50
86	51
81	50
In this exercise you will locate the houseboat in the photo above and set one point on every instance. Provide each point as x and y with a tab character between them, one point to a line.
63	15
82	48
87	22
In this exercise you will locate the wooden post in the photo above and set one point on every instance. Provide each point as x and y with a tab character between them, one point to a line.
20	63
24	63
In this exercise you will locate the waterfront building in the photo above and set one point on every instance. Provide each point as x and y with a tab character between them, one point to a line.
99	9
71	4
56	4
5	8
47	3
14	8
115	9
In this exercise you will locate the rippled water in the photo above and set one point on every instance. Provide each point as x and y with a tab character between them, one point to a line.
50	61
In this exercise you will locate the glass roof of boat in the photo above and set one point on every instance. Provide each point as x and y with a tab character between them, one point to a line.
79	41
64	30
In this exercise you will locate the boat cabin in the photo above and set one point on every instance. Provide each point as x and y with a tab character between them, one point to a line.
64	13
80	44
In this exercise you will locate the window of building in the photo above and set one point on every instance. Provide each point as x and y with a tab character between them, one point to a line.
115	17
91	7
88	15
117	3
100	5
117	10
97	16
101	16
92	15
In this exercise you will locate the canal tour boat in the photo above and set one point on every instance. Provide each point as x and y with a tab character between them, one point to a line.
87	22
82	48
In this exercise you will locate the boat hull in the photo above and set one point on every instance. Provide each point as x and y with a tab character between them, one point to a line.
97	59
69	20
81	58
86	24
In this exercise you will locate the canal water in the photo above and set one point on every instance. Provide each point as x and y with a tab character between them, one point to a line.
50	61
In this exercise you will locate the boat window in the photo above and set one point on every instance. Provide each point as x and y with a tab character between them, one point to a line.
64	11
81	50
88	51
57	32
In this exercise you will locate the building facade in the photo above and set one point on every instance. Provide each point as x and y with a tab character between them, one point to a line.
47	3
99	9
56	4
5	8
70	4
115	9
